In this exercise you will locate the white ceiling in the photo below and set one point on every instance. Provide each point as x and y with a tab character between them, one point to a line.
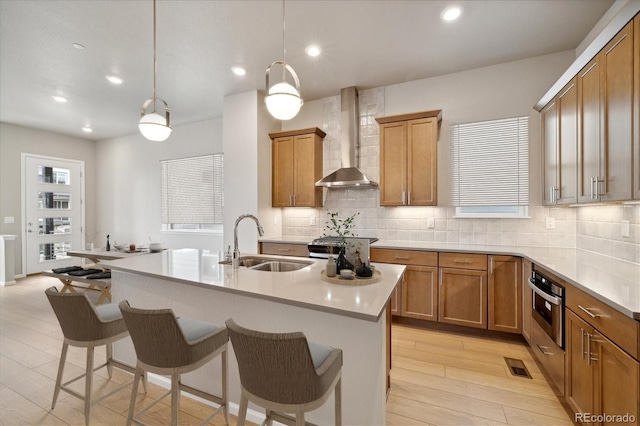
364	43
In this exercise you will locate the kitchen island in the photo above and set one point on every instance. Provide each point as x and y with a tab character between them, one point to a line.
352	318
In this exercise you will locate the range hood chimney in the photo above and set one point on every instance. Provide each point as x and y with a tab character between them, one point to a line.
349	174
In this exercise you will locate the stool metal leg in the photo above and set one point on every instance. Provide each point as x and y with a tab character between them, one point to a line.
109	358
338	397
299	417
134	392
63	359
87	387
225	396
242	411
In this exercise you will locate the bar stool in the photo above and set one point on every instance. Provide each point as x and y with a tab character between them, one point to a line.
284	373
173	346
85	325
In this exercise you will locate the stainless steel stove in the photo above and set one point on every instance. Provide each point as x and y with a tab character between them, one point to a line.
324	246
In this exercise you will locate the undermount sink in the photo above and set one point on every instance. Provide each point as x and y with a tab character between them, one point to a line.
270	264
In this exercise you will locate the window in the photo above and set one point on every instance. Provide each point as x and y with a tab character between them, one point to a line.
192	193
490	168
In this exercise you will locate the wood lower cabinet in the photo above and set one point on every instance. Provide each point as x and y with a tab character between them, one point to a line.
462	291
408	159
527	299
420	293
296	167
505	294
416	296
284	249
636	107
600	377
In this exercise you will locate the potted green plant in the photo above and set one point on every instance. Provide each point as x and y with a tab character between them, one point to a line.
341	228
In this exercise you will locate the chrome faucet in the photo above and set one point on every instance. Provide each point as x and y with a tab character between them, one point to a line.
236	253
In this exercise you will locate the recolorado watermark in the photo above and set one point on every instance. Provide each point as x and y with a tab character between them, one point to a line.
604	418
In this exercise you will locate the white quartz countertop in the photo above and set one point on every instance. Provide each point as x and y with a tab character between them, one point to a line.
300	288
612	281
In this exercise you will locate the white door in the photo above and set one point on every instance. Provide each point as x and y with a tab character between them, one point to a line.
53	211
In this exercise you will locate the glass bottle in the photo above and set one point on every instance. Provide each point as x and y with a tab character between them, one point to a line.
331	267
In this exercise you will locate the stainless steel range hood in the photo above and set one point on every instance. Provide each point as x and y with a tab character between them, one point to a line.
349	175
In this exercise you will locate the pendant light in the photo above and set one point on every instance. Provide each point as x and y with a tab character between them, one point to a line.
283	100
154	126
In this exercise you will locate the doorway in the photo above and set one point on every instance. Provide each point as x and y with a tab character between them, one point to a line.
52	211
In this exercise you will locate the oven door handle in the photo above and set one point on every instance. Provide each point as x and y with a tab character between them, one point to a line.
549	298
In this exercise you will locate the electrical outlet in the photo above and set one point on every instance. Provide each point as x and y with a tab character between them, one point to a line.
312	221
625	228
551	223
431	223
11	219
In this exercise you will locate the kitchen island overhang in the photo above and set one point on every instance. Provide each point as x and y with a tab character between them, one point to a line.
351	318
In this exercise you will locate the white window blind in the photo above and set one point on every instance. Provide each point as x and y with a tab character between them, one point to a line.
192	190
490	163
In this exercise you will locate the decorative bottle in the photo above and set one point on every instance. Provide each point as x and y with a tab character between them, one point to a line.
108	244
331	267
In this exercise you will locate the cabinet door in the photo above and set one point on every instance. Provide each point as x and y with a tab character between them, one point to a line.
422	162
505	294
283	161
393	159
420	295
589	129
578	371
567	184
304	176
617	84
396	298
550	151
462	297
616	379
527	299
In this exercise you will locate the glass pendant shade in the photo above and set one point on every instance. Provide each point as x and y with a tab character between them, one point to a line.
283	100
154	126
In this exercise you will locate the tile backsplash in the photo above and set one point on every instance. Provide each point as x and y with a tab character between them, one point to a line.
591	228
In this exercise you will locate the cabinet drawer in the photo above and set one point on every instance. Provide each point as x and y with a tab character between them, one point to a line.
284	249
549	354
404	257
617	327
463	261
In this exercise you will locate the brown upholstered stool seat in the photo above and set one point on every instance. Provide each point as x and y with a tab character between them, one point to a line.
284	373
173	346
88	326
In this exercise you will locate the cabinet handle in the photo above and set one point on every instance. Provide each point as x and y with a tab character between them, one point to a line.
542	350
403	197
402	258
598	192
588	312
589	357
555	195
294	199
592	182
491	265
582	343
409	197
464	262
284	249
290	198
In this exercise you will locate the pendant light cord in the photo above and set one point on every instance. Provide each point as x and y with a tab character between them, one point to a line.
284	50
155	61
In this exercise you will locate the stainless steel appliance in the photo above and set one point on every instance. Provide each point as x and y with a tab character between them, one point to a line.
548	306
324	246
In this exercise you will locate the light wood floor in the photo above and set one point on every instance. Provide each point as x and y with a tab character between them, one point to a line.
437	378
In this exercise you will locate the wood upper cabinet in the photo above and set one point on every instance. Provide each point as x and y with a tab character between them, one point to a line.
462	292
527	299
296	167
408	159
600	377
505	294
560	145
605	106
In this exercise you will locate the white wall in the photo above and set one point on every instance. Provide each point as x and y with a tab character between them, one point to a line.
15	140
128	190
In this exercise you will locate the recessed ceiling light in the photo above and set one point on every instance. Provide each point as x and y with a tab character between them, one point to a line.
60	99
451	13
78	46
312	50
114	80
238	70
87	129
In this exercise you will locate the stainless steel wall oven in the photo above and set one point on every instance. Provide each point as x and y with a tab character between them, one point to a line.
548	306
